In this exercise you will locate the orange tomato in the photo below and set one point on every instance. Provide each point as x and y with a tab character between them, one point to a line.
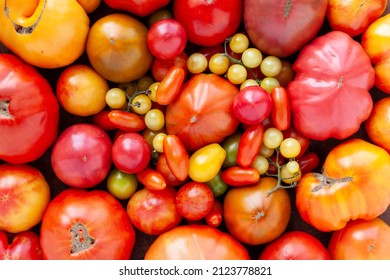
378	124
89	5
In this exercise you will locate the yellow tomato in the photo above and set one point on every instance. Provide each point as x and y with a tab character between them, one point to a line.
206	162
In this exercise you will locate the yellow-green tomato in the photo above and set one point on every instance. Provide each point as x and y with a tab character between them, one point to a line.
121	185
206	162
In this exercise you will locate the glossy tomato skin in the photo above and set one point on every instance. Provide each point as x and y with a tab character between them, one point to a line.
295	245
138	7
208	23
29	118
378	124
81	224
160	67
81	156
165	171
196	242
24	246
131	152
202	113
176	156
24	195
361	240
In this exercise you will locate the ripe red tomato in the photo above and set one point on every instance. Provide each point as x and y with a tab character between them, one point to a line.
160	67
295	245
154	212
208	23
24	246
24	195
81	156
176	156
81	224
163	168
138	7
196	242
130	152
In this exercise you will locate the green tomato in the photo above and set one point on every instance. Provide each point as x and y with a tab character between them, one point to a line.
217	186
230	145
121	185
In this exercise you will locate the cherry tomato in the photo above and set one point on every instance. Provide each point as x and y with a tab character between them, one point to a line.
176	156
281	109
217	185
151	179
170	85
126	121
230	145
163	168
308	162
121	185
160	67
238	176
102	120
214	217
292	132
249	145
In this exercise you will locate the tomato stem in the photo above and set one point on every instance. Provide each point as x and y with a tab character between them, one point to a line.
4	108
326	181
80	238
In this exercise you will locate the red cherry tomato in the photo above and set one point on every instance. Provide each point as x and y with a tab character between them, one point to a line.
308	162
281	108
292	132
151	179
214	217
102	120
176	156
163	168
170	85
249	145
127	121
237	176
160	67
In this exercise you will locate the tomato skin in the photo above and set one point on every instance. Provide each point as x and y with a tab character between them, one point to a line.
201	242
137	7
308	162
160	67
25	194
249	145
29	118
126	121
163	168
378	124
176	156
24	246
102	120
353	185
170	85
151	179
361	240
154	212
208	23
214	217
98	215
81	156
281	108
237	176
217	185
295	245
292	132
254	217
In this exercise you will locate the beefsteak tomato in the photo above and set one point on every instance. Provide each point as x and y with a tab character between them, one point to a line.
24	246
354	185
196	242
29	118
140	8
378	124
81	224
332	82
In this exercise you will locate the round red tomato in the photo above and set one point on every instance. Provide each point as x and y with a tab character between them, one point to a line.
24	246
254	216
378	124
154	212
196	242
81	224
208	23
81	156
295	245
131	152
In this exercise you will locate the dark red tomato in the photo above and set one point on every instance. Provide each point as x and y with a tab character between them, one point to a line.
176	156
252	105
308	162
24	246
295	245
208	52
208	23
160	67
215	216
154	212
194	200
81	156
140	8
80	224
166	38
292	132
131	153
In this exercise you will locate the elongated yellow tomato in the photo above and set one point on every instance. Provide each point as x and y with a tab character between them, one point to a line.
44	33
206	162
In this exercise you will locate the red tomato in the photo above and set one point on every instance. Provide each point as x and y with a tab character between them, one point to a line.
24	195
126	121
378	124
295	245
24	246
202	113
154	212
194	200
163	168
151	179
308	162
138	7
208	23
176	156
292	132
102	120
166	38
281	108
249	145
214	217
361	240
130	152
86	225
81	156
196	242
170	85
161	67
29	118
238	176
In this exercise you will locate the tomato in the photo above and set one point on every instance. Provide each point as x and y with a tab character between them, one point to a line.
308	162
102	120
196	242
166	38
206	162
121	185
375	41
30	30
253	216
252	105
81	156
321	92
354	184
231	145
292	132
361	240
176	156
29	118
237	176
24	246
161	67
208	23
163	168
277	28
117	49
137	7
194	200
81	91
24	195
217	185
81	224
154	212
202	112
214	217
151	179
130	152
249	145
378	124
126	121
353	17
295	245
281	108
89	5
170	85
